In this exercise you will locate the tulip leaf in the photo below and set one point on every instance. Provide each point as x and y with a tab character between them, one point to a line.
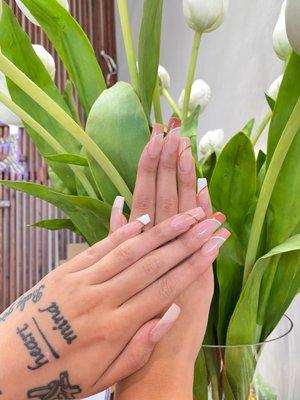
233	182
149	51
73	159
208	166
261	159
15	45
72	46
249	127
89	216
118	125
56	224
271	102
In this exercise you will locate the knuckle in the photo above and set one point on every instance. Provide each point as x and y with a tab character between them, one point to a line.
160	233
187	243
124	253
167	204
168	164
147	165
143	203
151	266
139	359
167	288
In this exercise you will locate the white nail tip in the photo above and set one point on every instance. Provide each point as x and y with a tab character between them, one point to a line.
202	183
144	219
119	203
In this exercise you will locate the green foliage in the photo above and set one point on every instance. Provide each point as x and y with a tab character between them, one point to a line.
73	159
56	224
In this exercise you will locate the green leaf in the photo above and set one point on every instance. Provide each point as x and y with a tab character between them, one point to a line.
261	159
89	216
56	224
73	159
72	46
189	129
270	101
70	101
249	127
209	165
118	125
15	45
149	51
233	183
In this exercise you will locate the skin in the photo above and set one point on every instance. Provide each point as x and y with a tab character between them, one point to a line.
167	185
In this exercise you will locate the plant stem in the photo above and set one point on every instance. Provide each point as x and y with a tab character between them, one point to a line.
171	102
128	43
49	139
156	104
261	127
53	109
272	173
191	73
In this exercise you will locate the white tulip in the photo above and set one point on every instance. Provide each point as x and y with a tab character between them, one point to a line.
46	59
281	42
204	15
292	16
212	140
274	88
200	96
6	115
164	77
28	14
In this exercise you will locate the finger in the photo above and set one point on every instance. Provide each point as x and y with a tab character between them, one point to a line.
117	219
94	253
171	285
167	196
150	268
132	250
145	188
138	351
186	177
203	197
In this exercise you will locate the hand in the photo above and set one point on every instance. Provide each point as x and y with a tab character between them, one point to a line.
93	321
166	184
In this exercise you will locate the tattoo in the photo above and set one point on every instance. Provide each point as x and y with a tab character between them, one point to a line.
20	304
50	347
32	346
54	390
60	323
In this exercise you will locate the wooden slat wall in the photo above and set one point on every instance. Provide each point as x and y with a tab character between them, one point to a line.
27	254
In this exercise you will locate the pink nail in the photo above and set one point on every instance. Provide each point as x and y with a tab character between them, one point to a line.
158	129
119	203
174	123
155	145
165	323
206	228
212	246
186	162
136	227
182	222
197	213
202	184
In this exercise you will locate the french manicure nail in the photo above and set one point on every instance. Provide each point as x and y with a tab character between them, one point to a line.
144	219
165	323
202	183
135	227
197	213
219	217
119	203
186	162
174	123
182	222
155	145
158	129
206	228
212	246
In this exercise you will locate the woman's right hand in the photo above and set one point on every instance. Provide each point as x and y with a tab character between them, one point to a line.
92	321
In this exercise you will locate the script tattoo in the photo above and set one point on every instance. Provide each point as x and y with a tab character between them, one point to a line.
34	296
60	323
55	390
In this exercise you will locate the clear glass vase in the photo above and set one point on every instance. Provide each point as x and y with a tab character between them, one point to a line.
263	371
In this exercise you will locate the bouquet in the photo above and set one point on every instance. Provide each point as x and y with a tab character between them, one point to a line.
257	273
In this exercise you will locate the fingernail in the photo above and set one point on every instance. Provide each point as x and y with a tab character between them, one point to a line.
155	145
219	217
171	144
119	203
158	129
202	183
186	161
212	246
144	219
165	323
175	132
197	213
174	123
206	228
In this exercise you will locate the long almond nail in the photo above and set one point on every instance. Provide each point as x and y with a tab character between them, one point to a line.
206	228
186	162
165	323
202	183
119	203
211	247
182	222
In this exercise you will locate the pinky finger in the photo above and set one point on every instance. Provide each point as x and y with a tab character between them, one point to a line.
117	219
138	351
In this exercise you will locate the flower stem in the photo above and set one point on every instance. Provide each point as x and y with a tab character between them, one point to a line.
156	104
49	139
128	43
191	73
53	109
273	171
171	102
261	127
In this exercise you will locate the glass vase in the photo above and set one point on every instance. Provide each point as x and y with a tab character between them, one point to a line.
262	371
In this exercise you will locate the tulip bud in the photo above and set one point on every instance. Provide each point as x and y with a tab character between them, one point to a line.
46	59
274	88
164	77
292	16
200	96
281	42
204	15
28	14
211	141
